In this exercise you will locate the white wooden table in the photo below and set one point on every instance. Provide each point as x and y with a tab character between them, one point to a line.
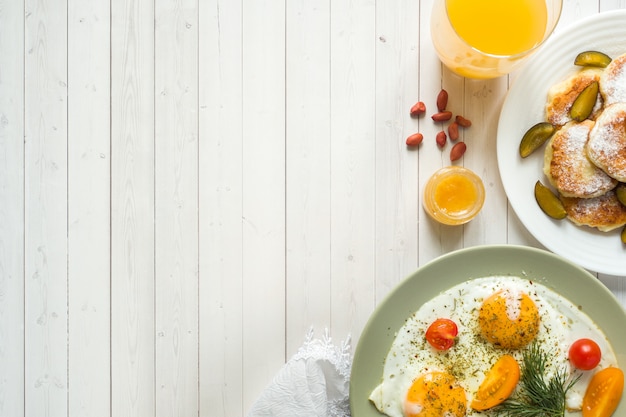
187	187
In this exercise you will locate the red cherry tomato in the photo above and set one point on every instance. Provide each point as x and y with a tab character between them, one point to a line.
441	334
585	354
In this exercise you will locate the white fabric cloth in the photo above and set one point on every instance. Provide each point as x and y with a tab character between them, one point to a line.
313	383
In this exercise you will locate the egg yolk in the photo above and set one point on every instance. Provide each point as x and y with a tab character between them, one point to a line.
509	319
435	394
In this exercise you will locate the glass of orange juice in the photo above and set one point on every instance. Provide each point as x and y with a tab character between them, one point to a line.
490	38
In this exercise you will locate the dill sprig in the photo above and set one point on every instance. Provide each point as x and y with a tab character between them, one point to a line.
536	396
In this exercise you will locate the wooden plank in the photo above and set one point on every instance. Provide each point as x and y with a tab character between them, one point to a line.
263	193
483	100
308	169
607	5
132	209
434	239
45	174
11	208
353	106
176	207
397	191
88	208
574	10
220	201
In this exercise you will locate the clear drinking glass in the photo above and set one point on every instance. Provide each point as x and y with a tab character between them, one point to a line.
490	38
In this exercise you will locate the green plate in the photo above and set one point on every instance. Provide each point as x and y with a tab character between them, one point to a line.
571	281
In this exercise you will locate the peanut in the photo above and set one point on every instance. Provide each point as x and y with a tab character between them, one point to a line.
457	151
453	131
418	108
462	121
441	139
415	139
442	100
442	116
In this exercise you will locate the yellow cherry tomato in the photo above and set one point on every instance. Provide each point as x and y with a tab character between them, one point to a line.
603	393
498	384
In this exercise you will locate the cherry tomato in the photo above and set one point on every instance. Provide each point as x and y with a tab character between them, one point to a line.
441	334
585	354
498	384
603	393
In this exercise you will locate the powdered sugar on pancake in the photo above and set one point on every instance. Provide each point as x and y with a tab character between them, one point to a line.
606	147
613	81
604	213
569	169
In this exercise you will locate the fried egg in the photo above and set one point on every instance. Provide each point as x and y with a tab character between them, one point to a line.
509	319
495	316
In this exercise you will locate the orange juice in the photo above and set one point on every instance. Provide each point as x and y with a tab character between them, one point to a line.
490	38
499	27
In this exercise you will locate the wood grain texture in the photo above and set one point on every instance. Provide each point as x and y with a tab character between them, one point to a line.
89	202
352	164
607	5
307	83
176	207
220	208
396	206
188	186
12	346
263	193
132	209
480	138
45	172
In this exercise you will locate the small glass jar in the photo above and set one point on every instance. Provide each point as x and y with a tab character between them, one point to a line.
454	195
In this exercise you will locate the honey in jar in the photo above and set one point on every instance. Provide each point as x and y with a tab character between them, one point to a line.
454	195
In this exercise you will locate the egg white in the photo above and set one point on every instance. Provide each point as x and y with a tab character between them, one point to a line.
410	354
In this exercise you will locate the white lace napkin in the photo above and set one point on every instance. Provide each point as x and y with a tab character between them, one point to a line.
313	383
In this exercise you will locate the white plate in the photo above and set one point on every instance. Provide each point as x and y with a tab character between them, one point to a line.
523	107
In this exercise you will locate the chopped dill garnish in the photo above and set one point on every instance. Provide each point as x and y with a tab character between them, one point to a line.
537	397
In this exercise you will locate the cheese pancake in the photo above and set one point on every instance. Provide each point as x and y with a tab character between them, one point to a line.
567	166
606	147
613	81
561	96
604	213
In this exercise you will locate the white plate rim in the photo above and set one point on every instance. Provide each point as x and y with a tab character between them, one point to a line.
522	108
